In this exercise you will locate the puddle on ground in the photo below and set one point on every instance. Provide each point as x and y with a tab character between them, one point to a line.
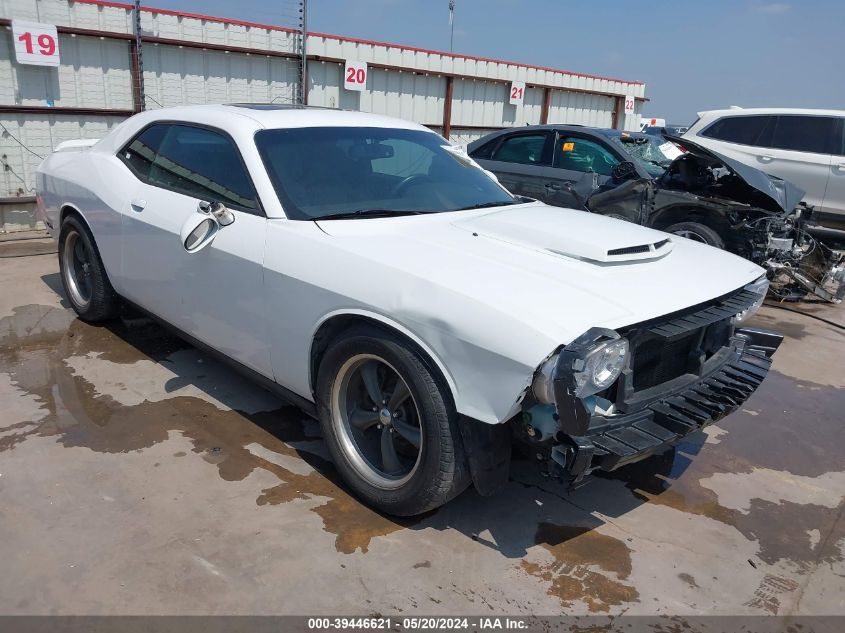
236	431
794	439
572	574
36	343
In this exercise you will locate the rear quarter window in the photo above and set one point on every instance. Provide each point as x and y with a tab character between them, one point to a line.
813	134
745	130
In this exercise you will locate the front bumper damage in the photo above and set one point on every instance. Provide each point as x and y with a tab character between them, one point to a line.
683	406
684	372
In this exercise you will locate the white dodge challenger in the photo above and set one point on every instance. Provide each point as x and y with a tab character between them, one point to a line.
375	276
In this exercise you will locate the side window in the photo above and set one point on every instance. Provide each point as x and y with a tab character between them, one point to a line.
203	164
804	133
486	150
140	153
745	130
839	144
526	149
579	154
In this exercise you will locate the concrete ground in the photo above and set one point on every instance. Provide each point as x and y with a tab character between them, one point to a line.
137	476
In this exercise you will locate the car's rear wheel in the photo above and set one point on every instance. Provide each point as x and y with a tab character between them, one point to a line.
697	232
389	423
83	275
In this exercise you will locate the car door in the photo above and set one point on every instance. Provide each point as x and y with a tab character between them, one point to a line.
213	294
798	148
834	198
579	165
737	136
519	161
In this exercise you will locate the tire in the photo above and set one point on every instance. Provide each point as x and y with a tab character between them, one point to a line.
84	278
359	446
697	232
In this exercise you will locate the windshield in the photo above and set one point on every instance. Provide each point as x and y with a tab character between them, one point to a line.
653	153
355	171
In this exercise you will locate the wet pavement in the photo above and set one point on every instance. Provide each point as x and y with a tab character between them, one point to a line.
139	476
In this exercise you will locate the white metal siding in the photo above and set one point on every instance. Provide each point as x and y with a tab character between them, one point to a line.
582	109
405	95
190	76
94	73
41	133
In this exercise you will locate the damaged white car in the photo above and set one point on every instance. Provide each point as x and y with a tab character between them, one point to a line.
376	277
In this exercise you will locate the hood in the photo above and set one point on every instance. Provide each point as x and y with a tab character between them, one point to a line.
783	193
554	271
582	236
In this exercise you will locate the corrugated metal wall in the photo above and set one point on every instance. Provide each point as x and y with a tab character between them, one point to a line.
190	76
582	109
94	73
181	66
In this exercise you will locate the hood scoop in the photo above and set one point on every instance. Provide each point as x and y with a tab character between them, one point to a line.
570	233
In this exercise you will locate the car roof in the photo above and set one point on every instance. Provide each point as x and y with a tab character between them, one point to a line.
736	111
566	127
277	115
244	120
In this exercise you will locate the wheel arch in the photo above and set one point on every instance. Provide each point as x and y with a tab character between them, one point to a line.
686	213
68	209
334	324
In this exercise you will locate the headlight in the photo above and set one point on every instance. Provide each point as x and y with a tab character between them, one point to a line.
594	364
759	287
602	367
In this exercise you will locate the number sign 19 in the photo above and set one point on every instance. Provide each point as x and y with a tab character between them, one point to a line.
517	93
36	44
355	75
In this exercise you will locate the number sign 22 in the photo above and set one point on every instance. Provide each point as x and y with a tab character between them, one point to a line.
36	44
355	75
517	93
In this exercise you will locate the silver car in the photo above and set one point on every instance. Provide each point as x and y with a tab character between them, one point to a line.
805	147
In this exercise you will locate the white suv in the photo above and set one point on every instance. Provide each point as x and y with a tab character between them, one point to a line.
806	147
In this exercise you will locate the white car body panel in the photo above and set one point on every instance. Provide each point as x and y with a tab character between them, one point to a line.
822	176
487	294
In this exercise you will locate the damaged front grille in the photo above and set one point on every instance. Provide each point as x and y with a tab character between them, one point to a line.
658	360
670	347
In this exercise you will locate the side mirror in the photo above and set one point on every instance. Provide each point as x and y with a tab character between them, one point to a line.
624	170
198	232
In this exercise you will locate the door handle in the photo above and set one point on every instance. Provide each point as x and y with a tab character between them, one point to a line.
841	166
138	205
552	186
766	158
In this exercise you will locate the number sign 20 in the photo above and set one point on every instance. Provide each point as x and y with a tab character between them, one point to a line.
35	44
517	93
355	75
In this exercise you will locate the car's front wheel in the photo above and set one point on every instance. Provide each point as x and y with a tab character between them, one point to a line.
83	275
697	232
389	423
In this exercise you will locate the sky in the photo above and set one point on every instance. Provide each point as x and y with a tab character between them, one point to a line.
692	55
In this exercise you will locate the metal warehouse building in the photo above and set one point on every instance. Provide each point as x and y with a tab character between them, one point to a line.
191	59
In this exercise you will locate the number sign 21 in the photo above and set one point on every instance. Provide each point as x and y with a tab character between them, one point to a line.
355	75
35	44
517	93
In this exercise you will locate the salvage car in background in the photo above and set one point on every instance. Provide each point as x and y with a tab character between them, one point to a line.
372	274
694	193
805	147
